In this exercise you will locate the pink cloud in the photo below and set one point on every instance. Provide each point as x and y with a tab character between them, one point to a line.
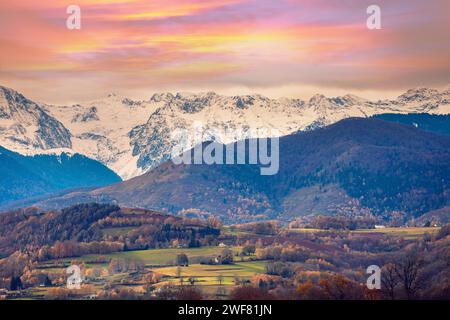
255	43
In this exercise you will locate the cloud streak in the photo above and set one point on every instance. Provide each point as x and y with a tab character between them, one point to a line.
137	46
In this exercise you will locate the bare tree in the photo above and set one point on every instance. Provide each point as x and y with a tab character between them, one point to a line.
389	280
220	279
179	276
408	273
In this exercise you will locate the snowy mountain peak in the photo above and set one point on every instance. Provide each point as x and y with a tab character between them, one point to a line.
418	94
243	102
90	115
9	99
320	103
134	136
25	125
112	100
158	97
317	98
351	99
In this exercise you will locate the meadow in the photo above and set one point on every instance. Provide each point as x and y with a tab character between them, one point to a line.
409	233
156	257
204	273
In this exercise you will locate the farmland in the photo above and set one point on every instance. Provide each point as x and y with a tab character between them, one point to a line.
160	262
212	279
129	254
157	257
207	274
404	232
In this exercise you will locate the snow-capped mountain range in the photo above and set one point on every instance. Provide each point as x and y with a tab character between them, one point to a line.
131	137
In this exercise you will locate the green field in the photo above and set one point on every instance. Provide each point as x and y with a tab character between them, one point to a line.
161	261
405	232
248	268
210	274
158	257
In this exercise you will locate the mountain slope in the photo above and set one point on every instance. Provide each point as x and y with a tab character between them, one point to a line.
24	124
100	130
439	124
132	137
353	167
259	116
27	176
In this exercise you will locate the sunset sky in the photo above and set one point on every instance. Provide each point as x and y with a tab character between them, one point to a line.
293	48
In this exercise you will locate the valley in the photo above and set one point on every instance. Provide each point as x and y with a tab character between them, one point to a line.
237	261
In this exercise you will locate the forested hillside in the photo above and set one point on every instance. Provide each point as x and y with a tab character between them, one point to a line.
28	176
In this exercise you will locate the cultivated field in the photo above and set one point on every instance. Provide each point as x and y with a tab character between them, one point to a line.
158	257
405	232
213	275
215	280
212	278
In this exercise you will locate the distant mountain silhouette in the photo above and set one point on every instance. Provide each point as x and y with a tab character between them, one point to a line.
28	176
354	167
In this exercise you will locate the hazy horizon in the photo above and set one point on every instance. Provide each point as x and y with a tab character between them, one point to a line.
147	94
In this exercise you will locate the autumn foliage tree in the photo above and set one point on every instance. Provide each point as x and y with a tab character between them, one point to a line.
250	293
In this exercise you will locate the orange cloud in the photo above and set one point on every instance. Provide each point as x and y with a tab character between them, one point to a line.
164	44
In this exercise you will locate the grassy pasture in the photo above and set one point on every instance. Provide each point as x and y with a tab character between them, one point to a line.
404	232
156	257
248	268
407	233
208	275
